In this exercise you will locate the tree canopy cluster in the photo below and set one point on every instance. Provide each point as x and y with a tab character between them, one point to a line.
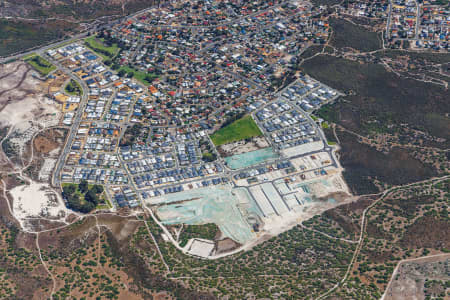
82	198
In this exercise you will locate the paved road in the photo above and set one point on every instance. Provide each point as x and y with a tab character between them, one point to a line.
416	28
56	179
388	23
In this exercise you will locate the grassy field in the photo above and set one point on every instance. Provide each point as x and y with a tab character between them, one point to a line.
105	203
138	75
346	34
238	130
106	52
40	64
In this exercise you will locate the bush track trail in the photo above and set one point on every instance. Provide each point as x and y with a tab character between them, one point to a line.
364	223
45	266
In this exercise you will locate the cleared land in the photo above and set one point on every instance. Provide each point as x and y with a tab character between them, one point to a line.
422	278
40	64
238	130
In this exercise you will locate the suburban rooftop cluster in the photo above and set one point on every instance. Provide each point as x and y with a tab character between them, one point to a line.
155	86
424	23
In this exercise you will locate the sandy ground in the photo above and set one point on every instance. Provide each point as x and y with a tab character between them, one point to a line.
47	167
22	96
201	247
24	108
337	184
279	224
301	149
331	186
37	200
244	147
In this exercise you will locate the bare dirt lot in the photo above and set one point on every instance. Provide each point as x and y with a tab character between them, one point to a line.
24	110
418	279
44	144
21	95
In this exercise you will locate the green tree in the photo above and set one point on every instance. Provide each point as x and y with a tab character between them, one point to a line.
122	73
92	197
97	188
83	186
69	189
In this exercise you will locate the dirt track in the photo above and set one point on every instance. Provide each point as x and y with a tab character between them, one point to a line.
3	101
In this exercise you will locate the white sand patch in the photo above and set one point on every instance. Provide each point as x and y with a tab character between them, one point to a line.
276	225
302	149
323	186
35	108
24	98
37	200
201	247
240	147
47	168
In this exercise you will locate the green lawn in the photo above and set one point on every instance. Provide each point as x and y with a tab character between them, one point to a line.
105	202
238	130
138	75
101	49
40	64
